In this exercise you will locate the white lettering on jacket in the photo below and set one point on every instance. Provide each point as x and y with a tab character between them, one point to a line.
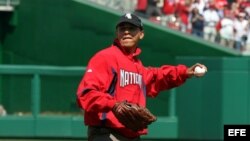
128	78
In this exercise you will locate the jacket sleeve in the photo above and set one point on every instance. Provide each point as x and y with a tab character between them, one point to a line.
92	93
164	78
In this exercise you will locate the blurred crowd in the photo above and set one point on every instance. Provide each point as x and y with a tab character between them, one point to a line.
226	22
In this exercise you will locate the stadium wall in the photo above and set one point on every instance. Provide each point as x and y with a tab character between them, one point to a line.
47	35
205	105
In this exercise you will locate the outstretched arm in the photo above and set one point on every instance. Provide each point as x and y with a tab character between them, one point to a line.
167	77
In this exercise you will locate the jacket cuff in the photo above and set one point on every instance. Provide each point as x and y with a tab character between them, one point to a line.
183	71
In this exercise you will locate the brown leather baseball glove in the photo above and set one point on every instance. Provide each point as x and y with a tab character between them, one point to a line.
133	116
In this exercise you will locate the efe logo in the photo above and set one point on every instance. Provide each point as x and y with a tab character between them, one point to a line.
237	132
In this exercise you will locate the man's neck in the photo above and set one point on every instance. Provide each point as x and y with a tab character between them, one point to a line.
129	50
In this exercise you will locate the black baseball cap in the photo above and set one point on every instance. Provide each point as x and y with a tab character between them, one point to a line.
130	18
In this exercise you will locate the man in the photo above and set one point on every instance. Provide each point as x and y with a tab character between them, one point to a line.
240	31
211	18
154	8
115	74
227	29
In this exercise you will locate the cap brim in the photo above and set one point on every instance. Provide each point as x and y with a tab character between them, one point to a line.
128	21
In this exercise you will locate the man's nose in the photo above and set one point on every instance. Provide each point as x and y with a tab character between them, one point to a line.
126	30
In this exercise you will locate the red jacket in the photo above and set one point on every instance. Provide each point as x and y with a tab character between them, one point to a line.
169	7
112	75
142	5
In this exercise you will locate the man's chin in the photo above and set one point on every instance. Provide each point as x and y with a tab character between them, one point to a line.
128	45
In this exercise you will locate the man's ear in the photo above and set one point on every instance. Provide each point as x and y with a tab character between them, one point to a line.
141	35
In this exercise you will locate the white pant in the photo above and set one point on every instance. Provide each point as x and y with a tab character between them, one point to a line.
210	33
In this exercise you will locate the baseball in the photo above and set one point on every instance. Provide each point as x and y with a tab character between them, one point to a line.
199	69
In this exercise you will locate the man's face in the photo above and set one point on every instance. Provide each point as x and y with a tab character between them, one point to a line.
129	35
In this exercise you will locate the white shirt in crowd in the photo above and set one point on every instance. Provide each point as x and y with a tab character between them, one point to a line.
227	27
241	28
211	17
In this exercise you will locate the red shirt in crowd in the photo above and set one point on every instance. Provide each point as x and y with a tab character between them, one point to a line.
168	7
142	5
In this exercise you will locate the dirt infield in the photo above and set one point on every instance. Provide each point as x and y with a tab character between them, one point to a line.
41	140
51	140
